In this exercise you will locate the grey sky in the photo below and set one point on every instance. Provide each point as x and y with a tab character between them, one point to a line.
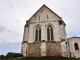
14	13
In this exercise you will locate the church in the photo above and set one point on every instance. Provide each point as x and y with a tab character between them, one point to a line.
45	35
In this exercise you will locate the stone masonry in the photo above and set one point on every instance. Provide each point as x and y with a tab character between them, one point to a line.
44	34
34	49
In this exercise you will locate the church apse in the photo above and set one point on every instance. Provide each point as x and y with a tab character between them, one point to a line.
42	34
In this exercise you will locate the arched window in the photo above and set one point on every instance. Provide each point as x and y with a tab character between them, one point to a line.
38	34
76	46
49	33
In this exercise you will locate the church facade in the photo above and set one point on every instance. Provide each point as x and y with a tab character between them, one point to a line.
45	35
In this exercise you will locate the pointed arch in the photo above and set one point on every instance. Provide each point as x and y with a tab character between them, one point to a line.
76	46
38	33
50	33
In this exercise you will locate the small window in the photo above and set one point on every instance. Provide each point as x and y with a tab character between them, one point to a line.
76	46
47	17
39	18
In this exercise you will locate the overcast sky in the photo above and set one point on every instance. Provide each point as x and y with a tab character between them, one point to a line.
14	13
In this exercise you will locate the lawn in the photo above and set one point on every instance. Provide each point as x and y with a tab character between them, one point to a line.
43	58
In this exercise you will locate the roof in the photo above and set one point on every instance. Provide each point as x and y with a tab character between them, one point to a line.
12	54
73	37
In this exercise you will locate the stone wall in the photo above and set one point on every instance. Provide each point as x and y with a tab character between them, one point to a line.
52	49
34	49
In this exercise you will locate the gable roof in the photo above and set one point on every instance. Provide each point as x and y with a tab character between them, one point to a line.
46	7
73	37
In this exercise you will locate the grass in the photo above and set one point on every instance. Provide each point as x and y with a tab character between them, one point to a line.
43	58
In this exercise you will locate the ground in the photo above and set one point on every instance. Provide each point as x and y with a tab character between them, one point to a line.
44	58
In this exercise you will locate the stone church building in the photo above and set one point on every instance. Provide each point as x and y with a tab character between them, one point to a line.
45	35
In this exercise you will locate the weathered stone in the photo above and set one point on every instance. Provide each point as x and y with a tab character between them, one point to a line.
34	49
44	34
53	49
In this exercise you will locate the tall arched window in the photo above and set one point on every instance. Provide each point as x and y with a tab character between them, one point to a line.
49	33
38	34
76	46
